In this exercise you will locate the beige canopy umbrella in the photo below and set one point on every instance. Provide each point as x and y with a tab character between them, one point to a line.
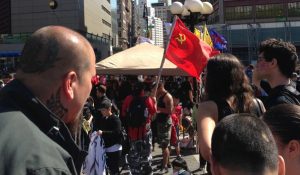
142	59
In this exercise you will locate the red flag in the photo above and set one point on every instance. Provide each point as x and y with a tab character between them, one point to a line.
187	52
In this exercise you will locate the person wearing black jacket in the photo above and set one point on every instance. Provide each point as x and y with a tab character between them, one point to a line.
39	109
110	130
276	63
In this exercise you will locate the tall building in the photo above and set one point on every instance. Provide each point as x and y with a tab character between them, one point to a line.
162	11
91	18
114	23
156	31
142	13
124	22
255	20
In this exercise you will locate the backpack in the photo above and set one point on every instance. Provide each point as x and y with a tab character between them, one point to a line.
137	113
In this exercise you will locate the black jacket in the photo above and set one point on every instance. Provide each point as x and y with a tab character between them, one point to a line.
111	128
283	94
32	139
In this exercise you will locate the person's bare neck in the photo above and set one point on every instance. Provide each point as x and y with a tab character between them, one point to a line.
278	79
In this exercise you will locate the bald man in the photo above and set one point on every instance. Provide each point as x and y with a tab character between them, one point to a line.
41	107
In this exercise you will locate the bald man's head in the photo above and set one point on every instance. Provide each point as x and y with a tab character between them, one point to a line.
57	65
56	49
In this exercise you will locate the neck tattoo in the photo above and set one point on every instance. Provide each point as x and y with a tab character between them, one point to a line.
55	105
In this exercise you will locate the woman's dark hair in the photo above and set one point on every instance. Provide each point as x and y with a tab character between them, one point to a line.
226	78
284	122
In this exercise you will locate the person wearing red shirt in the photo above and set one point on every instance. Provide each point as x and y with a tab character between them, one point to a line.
139	135
176	118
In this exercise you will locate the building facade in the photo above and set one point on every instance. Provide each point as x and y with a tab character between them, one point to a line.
162	11
156	31
124	8
255	20
91	18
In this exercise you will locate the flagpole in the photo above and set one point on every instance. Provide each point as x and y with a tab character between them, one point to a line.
163	58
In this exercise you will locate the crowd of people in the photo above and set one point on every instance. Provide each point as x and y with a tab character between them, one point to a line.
59	117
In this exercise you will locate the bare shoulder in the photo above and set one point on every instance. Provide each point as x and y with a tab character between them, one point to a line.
208	109
168	95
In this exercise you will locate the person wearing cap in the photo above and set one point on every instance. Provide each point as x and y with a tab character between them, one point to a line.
110	130
100	92
276	63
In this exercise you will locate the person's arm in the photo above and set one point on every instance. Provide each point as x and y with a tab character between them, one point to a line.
125	106
168	100
151	105
207	119
115	130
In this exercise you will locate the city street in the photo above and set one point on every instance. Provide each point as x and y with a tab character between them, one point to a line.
189	155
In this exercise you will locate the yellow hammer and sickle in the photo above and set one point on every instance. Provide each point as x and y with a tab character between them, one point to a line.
181	38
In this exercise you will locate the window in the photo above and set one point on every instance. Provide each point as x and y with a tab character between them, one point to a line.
106	10
294	9
239	12
106	23
270	11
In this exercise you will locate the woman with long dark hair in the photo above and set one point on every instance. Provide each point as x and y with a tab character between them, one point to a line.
227	91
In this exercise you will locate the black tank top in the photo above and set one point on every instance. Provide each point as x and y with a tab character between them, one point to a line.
223	109
162	117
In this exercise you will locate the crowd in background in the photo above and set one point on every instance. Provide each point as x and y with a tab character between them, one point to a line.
247	119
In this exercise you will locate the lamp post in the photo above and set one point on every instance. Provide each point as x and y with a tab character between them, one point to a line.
192	12
53	4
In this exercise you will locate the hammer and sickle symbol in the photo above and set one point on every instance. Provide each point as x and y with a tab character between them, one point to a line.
181	38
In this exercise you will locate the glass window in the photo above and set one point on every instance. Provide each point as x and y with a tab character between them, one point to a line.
294	9
237	13
270	11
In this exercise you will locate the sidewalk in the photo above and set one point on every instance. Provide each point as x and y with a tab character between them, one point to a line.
189	155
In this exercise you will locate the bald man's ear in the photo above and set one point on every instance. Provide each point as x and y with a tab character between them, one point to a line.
281	165
69	84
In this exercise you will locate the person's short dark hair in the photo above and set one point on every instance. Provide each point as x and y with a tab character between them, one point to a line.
101	88
284	122
242	142
180	162
149	85
86	110
284	52
137	88
105	104
250	66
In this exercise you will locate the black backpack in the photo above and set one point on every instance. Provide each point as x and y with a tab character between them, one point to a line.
137	112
